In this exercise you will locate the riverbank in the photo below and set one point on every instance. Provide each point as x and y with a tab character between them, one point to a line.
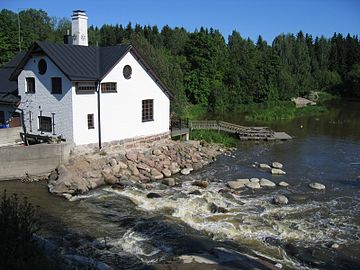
121	165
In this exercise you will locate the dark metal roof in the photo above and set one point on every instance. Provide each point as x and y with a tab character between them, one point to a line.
84	63
8	88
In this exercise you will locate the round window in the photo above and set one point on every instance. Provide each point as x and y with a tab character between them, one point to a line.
127	71
42	66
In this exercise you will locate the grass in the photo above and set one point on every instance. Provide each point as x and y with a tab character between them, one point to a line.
212	136
282	110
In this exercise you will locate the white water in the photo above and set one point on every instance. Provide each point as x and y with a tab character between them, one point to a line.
250	220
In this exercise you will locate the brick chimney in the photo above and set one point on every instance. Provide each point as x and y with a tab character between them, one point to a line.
79	29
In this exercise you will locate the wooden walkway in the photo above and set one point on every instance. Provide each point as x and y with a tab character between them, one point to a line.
244	133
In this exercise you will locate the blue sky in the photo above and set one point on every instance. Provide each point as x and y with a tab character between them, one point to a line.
251	18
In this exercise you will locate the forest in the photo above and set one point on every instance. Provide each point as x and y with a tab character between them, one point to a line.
204	68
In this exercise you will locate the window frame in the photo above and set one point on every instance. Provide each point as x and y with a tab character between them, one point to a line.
147	114
30	81
108	87
56	81
90	121
48	127
85	88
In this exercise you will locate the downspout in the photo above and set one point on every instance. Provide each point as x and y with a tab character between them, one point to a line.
98	109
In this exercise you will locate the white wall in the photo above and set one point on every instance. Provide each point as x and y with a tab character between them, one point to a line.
121	112
44	100
84	104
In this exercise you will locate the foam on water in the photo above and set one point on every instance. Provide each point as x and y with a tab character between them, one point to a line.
249	219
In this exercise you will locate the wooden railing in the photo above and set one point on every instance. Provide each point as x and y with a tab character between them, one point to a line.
241	131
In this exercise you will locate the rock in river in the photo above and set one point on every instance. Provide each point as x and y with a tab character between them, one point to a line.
202	184
169	182
255	180
283	184
253	185
239	183
277	171
186	171
280	199
317	186
264	166
266	183
153	195
277	165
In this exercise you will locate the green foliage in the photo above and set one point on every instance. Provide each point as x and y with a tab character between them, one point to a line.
280	111
201	68
195	112
212	136
18	223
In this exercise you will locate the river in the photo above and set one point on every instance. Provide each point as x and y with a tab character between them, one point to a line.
127	230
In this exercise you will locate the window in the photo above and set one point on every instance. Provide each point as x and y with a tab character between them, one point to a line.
30	85
109	87
56	85
85	88
90	121
127	71
42	66
45	124
148	110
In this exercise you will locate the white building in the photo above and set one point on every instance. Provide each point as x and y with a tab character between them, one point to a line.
89	94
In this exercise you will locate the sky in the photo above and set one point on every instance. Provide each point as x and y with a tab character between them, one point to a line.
251	18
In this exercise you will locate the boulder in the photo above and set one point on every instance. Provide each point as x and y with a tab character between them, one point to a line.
153	195
174	168
133	169
283	184
255	180
115	169
217	209
143	166
156	174
122	165
266	183
157	152
132	155
112	162
264	166
239	183
201	184
277	165
185	171
109	178
317	186
68	182
253	185
166	172
280	199
53	175
169	182
277	171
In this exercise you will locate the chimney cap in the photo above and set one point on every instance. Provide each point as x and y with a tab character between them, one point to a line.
78	11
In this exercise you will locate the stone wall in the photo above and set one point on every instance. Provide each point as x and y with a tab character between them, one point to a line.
39	159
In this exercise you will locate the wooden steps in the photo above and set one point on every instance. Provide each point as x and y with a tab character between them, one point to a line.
243	132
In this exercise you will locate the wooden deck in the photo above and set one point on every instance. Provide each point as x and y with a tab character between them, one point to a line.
243	133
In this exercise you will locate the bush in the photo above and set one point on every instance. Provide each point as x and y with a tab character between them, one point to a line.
18	223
